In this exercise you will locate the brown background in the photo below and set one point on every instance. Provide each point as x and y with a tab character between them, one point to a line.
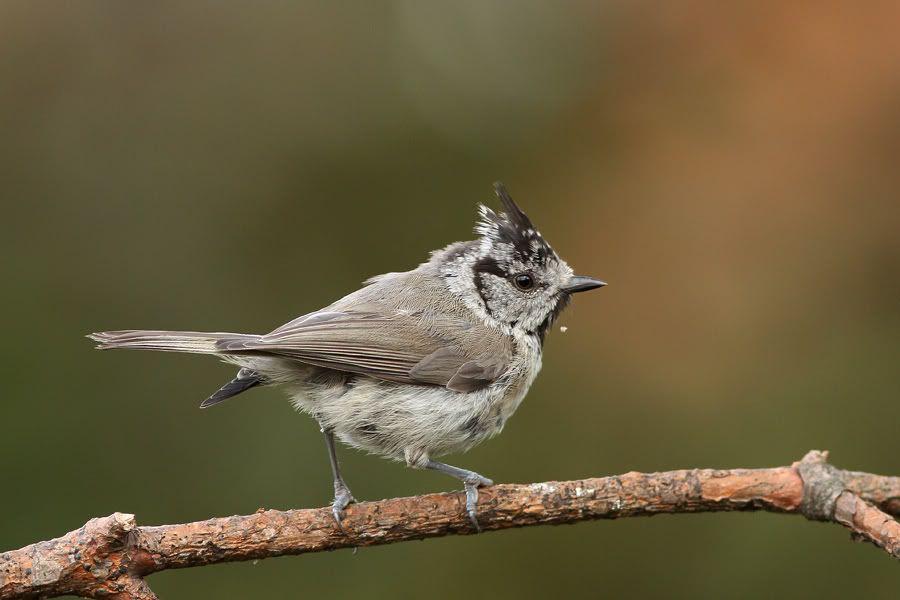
730	168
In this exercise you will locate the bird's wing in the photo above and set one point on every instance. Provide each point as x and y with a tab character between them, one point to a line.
393	346
445	366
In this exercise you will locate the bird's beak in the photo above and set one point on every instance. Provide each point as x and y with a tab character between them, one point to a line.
582	284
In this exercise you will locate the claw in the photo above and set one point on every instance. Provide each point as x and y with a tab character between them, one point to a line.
342	497
471	485
471	480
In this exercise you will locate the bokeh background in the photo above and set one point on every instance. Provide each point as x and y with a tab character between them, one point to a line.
730	168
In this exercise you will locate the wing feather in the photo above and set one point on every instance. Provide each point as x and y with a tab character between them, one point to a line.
393	346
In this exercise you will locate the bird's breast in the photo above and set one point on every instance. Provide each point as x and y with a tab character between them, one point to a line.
525	366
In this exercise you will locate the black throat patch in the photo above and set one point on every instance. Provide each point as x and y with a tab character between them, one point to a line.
561	303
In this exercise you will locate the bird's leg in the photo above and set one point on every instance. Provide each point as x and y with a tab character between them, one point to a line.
342	495
471	480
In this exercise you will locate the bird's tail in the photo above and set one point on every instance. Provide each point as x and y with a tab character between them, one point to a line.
167	341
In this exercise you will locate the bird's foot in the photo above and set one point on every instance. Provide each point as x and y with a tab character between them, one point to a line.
342	497
472	482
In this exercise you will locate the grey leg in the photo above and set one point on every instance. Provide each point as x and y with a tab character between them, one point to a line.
342	495
471	481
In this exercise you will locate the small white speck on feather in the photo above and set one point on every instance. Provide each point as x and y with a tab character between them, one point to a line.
563	329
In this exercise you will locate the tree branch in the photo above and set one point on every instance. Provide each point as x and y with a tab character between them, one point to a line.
110	556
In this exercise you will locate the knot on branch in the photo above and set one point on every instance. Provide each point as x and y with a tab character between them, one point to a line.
110	532
112	562
101	559
822	484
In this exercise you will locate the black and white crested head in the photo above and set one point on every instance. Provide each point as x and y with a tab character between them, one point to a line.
511	230
511	276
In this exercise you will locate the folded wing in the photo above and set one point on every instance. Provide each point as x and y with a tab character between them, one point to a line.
393	346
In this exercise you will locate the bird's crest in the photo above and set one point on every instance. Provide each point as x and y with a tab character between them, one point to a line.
513	228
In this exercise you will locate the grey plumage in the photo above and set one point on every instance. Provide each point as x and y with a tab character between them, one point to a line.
413	365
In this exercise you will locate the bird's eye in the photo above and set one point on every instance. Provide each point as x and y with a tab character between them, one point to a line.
523	281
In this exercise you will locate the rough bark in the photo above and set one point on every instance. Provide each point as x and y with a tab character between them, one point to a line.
110	556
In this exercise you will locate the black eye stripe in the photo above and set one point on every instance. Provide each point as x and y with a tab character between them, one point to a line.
485	265
488	264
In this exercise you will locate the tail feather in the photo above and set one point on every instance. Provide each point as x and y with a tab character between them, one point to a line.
245	379
166	341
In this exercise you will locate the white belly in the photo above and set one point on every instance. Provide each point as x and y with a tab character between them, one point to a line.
415	423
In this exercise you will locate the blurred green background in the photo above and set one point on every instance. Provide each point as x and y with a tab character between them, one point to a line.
730	168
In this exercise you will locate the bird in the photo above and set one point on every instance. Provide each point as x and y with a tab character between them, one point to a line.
414	365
